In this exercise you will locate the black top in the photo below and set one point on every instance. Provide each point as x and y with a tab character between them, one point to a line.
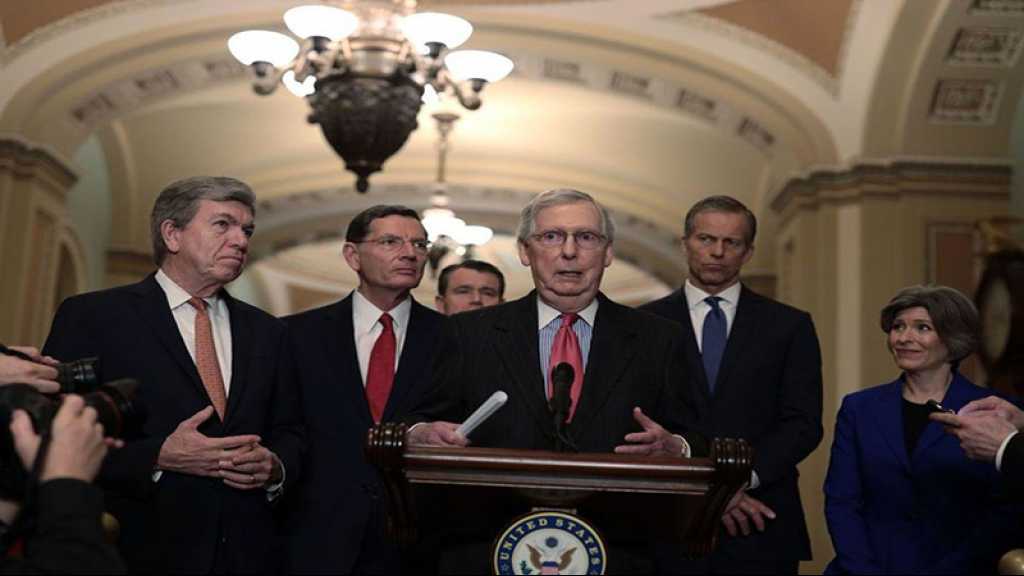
915	418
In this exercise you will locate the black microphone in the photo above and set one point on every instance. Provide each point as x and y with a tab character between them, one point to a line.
562	376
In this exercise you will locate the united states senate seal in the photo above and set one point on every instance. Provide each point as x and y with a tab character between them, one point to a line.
549	542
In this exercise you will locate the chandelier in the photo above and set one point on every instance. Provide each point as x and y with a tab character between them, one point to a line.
366	71
446	231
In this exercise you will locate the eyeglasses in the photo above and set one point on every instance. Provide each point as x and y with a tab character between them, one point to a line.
584	239
391	243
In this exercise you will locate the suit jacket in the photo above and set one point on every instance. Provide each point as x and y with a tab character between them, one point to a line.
185	523
931	512
769	393
634	360
339	503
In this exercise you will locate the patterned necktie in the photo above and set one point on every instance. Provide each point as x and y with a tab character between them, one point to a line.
206	357
713	341
566	348
381	373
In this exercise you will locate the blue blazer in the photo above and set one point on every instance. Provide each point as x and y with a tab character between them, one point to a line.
933	512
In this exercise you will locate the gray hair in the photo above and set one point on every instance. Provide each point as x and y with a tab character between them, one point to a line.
726	204
954	315
558	197
179	202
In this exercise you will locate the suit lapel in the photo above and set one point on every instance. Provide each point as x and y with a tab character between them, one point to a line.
412	361
612	348
889	420
693	359
153	308
516	347
956	397
744	325
241	353
343	361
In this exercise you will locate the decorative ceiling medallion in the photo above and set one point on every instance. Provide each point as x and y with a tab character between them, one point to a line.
986	46
629	84
966	101
1005	7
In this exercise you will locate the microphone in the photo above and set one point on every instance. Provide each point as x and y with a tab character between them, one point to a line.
562	376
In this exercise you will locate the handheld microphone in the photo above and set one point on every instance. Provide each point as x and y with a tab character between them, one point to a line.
562	376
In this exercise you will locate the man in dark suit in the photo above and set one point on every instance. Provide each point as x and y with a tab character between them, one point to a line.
223	434
628	374
988	431
361	361
757	367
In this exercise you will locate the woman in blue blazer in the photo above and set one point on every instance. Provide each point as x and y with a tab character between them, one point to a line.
900	495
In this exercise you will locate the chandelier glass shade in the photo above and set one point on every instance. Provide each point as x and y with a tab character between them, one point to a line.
366	72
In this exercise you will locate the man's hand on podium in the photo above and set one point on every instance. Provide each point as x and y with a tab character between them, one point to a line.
653	441
435	434
743	510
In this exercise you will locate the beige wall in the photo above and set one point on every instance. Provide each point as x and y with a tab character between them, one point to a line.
848	240
40	253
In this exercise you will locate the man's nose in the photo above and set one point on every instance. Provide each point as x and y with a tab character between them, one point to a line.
569	247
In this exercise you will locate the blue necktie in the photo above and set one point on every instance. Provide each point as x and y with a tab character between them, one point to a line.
713	341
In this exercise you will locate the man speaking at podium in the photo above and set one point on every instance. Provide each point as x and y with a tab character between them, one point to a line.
628	391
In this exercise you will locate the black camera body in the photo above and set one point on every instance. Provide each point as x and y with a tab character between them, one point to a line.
114	403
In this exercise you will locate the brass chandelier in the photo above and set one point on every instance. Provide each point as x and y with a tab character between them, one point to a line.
366	70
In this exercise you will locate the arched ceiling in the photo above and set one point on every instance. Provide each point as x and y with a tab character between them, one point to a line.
649	105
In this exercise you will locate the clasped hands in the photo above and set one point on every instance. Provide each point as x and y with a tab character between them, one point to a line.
654	440
240	461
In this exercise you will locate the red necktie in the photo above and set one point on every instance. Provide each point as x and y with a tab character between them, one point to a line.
206	357
381	373
566	348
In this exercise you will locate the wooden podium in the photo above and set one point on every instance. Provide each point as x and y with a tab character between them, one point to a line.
678	497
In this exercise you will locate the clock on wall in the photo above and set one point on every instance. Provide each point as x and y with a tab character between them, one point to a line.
1000	300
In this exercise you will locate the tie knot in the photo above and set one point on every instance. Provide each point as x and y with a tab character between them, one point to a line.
713	301
198	303
569	318
386	321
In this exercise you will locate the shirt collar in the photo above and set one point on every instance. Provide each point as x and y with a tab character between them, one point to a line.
176	295
365	314
545	313
695	296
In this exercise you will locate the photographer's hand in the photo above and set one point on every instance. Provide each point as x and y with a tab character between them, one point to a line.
256	468
76	449
188	451
40	373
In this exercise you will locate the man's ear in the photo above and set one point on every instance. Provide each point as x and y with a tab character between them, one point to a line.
351	254
171	235
609	255
749	254
524	253
439	304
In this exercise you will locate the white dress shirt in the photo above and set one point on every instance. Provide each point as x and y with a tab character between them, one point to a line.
367	327
185	317
699	309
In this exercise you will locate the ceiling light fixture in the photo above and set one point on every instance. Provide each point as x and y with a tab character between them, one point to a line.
366	72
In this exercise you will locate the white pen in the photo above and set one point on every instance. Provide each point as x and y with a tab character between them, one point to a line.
490	406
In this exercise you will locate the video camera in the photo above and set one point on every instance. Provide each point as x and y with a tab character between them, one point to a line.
114	403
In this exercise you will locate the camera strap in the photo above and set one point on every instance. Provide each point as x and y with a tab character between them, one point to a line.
24	522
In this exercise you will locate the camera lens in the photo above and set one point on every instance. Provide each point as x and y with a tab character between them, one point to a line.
79	376
115	407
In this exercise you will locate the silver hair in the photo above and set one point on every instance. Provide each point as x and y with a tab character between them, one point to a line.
179	202
558	197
